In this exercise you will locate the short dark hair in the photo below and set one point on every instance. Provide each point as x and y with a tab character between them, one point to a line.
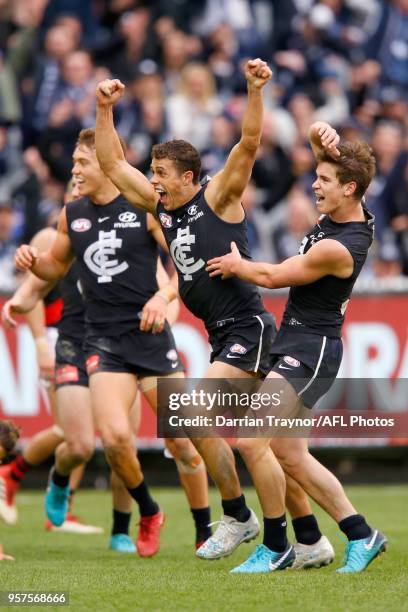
182	153
355	164
86	138
9	434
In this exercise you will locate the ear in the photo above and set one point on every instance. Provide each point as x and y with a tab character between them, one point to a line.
187	177
350	189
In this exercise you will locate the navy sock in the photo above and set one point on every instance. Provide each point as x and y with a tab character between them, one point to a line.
355	527
146	503
202	518
275	533
121	521
236	508
59	479
306	529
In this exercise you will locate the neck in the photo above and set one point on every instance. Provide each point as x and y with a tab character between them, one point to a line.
347	212
104	194
188	195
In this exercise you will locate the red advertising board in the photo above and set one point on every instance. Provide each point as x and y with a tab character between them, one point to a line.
375	346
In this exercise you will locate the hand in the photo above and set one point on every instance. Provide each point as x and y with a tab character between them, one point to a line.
257	73
154	315
328	137
10	308
108	92
226	265
25	257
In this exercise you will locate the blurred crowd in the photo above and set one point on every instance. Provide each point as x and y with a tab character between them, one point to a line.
341	61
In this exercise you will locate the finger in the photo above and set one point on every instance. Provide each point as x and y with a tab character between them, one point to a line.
6	317
211	267
214	261
234	248
217	272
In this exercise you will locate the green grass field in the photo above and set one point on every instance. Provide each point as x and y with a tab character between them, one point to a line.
174	580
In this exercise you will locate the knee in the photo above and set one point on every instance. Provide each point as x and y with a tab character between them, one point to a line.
290	460
115	438
81	450
251	449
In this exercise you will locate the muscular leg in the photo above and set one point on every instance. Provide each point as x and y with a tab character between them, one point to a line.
190	466
112	397
75	417
313	477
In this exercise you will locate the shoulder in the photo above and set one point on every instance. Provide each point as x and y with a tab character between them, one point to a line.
330	251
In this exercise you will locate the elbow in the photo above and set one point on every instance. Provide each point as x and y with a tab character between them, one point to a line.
250	143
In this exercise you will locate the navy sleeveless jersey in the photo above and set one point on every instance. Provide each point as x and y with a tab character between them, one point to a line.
117	262
72	324
195	234
319	307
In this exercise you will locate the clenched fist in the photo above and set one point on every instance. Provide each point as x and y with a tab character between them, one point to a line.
109	91
257	73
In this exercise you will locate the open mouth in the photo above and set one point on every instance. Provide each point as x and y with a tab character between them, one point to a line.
319	199
162	194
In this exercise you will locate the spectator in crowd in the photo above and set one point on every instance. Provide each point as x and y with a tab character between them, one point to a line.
339	61
8	245
191	111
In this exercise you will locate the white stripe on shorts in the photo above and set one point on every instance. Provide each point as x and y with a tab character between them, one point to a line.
317	367
258	357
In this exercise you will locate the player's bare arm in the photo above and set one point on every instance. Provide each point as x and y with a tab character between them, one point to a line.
55	262
325	257
323	137
155	311
133	185
225	190
30	292
32	289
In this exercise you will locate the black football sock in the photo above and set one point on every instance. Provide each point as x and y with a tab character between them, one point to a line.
202	519
121	521
146	503
355	527
59	479
236	508
306	529
275	533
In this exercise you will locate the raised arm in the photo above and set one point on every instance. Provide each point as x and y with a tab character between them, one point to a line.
55	262
323	137
133	185
323	258
224	191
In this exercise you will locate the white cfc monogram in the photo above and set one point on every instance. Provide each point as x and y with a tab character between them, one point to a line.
179	249
97	257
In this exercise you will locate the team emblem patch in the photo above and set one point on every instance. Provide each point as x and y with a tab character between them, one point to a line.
238	348
172	355
66	374
92	364
166	220
127	217
192	210
81	225
291	361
